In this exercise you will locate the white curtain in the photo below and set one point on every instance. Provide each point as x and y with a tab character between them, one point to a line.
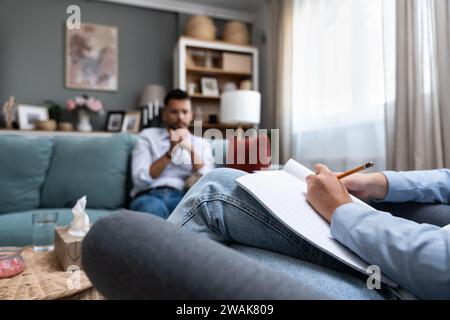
418	112
278	76
338	94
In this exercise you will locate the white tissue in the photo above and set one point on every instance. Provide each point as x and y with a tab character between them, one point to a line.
181	156
80	223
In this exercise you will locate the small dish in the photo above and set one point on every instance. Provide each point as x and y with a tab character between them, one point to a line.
11	262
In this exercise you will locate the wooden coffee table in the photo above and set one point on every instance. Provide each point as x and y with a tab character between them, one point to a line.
43	279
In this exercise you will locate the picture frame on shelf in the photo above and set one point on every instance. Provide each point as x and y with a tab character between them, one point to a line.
114	121
210	87
131	122
29	114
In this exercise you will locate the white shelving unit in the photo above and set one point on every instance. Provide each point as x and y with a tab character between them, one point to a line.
185	72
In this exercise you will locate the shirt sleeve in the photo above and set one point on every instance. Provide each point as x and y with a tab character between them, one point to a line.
416	256
141	161
207	158
432	186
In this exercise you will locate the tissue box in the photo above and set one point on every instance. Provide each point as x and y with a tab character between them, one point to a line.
67	248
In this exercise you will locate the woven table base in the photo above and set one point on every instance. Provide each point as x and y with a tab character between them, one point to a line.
43	279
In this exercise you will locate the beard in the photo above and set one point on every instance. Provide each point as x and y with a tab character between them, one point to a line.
178	125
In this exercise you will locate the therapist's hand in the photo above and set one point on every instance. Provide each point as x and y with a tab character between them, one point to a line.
369	186
325	192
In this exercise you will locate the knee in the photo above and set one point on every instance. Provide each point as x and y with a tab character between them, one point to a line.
223	175
221	180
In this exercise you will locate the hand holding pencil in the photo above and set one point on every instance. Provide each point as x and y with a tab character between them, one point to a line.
369	186
325	193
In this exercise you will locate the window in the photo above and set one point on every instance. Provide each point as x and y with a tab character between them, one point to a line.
338	80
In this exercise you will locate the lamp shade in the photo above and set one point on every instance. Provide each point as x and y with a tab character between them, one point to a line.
152	93
240	106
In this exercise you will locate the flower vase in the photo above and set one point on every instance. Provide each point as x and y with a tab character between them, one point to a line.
84	123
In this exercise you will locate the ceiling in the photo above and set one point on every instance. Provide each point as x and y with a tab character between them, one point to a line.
244	10
249	6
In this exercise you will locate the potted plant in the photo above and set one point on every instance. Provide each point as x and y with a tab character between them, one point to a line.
85	106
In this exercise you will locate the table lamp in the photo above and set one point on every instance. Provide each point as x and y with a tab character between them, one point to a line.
240	107
152	98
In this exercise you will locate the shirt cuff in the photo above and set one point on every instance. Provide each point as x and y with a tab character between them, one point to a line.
396	186
345	217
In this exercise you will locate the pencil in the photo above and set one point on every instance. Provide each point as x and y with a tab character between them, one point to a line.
354	170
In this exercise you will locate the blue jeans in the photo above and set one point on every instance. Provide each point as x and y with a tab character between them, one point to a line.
219	209
160	202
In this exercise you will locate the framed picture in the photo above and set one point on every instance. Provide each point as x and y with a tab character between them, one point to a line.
210	87
29	115
114	121
92	57
131	122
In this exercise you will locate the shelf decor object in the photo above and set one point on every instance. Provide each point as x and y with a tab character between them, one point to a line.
201	27
236	32
230	64
151	102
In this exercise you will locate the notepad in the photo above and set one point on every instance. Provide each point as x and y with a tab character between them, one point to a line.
283	194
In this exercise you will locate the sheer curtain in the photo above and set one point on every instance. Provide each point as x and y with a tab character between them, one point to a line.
338	94
418	113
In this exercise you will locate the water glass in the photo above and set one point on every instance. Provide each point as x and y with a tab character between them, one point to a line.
44	224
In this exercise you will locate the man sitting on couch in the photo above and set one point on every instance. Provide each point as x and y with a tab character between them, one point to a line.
165	157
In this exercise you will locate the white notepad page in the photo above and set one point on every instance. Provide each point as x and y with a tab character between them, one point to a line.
283	192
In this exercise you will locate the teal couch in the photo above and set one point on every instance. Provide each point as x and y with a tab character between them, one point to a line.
48	174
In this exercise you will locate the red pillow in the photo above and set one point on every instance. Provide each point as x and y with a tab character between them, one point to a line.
249	153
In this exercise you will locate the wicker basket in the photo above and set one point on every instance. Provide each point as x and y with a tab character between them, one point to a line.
236	32
46	125
201	27
65	126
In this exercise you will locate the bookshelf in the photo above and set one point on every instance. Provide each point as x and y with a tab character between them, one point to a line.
228	64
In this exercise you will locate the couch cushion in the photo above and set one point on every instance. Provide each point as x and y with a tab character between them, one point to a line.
24	162
95	167
16	228
331	283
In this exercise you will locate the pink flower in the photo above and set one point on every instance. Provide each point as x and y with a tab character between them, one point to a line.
84	102
71	105
94	105
80	101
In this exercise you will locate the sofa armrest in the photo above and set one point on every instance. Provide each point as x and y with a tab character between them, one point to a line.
133	255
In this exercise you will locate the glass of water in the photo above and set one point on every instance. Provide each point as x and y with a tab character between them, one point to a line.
44	224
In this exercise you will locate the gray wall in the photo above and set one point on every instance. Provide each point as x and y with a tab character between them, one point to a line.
32	40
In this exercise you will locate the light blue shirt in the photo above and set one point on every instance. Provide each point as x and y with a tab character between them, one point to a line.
152	144
416	256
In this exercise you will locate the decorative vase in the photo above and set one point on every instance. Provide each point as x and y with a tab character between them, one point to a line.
84	123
